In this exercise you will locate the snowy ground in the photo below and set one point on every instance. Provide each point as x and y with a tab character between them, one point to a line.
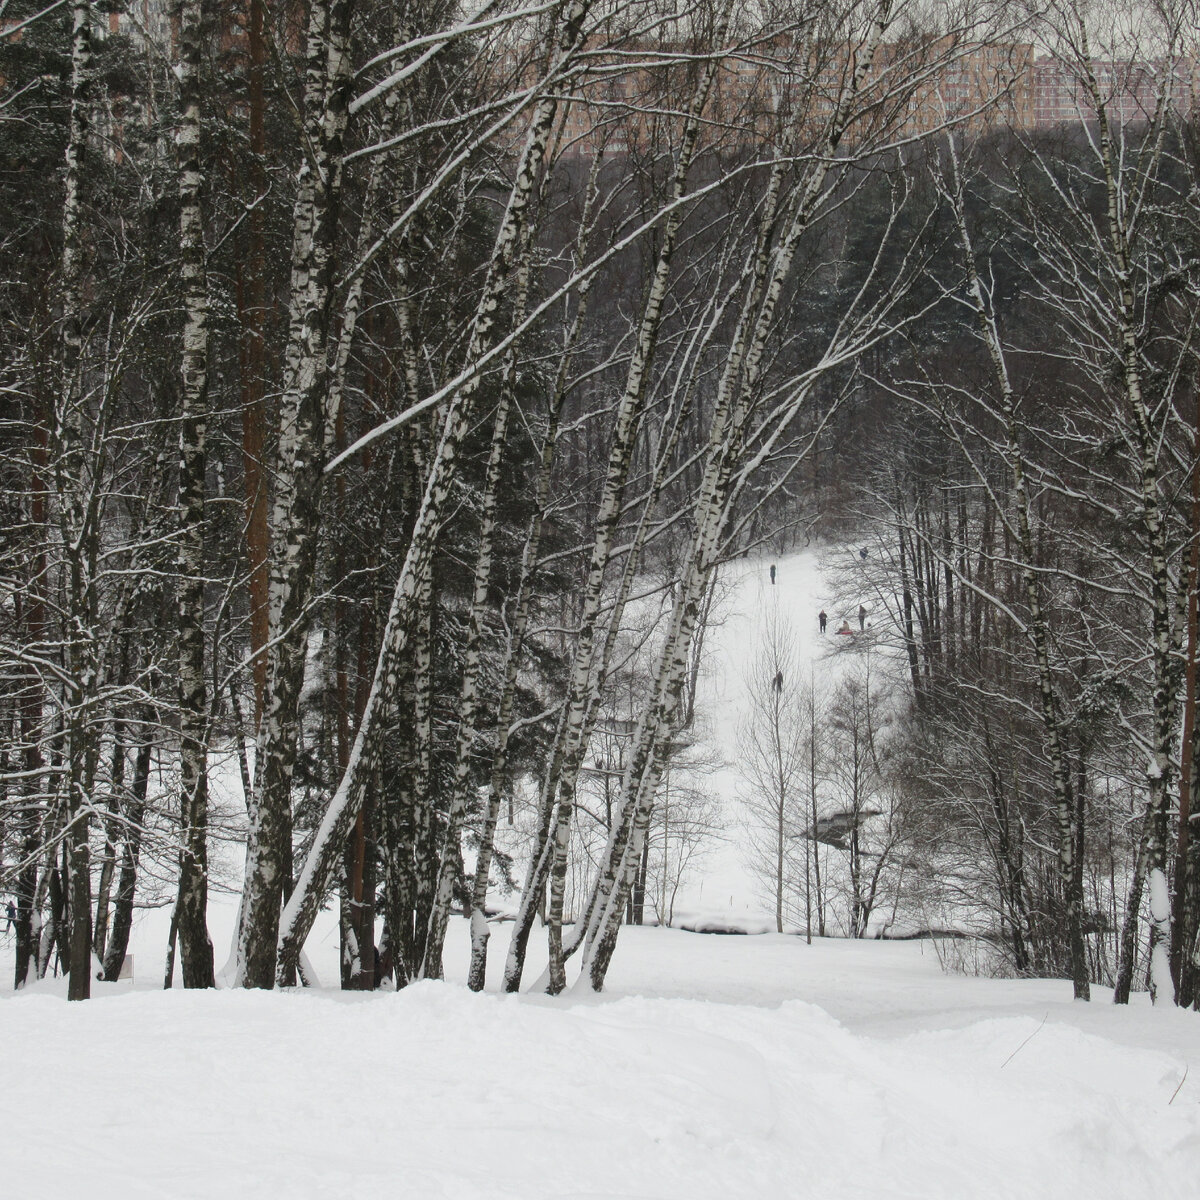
719	1067
713	1067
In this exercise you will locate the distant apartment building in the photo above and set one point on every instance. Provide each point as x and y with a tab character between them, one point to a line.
912	88
1129	90
918	86
979	87
983	85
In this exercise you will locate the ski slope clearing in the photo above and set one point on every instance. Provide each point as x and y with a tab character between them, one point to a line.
836	1070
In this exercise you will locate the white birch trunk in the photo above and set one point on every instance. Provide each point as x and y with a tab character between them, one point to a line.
1165	632
77	517
192	898
584	686
348	797
328	76
480	933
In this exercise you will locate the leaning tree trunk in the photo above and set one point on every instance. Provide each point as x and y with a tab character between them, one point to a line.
551	855
464	767
477	972
633	557
736	394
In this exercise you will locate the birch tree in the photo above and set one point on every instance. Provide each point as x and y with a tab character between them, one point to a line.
191	904
1121	313
348	797
75	483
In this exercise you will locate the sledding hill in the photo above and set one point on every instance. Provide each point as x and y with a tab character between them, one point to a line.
724	894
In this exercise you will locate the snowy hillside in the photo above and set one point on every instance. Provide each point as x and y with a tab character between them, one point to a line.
749	603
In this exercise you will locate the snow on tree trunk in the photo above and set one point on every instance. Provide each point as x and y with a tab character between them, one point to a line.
295	513
477	970
78	520
584	685
1070	876
460	787
192	899
348	797
1162	986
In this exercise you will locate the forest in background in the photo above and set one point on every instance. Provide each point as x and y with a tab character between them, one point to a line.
368	367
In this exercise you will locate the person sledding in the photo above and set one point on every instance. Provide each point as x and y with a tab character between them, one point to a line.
845	630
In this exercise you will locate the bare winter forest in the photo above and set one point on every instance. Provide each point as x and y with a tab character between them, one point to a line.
385	387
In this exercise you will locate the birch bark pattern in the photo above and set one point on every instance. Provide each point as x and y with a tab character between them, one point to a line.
77	517
348	797
295	512
191	903
252	359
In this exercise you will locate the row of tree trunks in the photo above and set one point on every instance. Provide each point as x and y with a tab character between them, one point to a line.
586	683
463	780
774	254
1070	834
519	621
348	798
295	511
1123	196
